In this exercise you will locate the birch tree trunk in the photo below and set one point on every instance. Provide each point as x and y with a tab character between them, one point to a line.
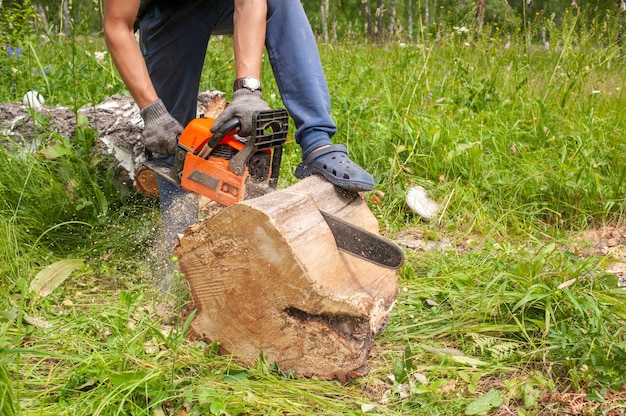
42	16
324	16
480	14
409	17
66	27
380	18
368	18
391	31
426	20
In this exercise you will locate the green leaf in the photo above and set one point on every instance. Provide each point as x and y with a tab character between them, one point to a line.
217	408
455	355
126	378
464	359
7	401
56	150
404	367
531	396
8	316
52	276
485	403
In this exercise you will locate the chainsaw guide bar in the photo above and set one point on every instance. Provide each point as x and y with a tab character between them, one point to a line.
364	244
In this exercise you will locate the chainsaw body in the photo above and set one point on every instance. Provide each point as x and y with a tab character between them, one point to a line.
223	166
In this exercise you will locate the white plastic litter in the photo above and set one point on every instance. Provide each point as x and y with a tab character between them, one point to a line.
34	100
419	202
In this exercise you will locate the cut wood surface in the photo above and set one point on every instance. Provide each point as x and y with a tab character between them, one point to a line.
266	277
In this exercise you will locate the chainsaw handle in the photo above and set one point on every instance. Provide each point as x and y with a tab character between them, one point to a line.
231	124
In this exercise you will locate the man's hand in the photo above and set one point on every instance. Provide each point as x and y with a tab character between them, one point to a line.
161	130
245	103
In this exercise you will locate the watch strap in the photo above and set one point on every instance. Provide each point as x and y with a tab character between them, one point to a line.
241	83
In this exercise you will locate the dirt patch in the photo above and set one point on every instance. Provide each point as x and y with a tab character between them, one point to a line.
608	241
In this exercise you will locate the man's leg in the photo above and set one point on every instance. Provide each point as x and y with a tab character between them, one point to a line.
295	60
173	40
297	67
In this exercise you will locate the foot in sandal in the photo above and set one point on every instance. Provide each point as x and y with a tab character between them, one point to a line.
334	164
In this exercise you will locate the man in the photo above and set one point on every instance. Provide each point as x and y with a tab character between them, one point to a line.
163	75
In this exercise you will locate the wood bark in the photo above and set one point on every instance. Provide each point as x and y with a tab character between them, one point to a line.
426	20
266	278
369	27
391	28
409	17
380	19
325	18
65	18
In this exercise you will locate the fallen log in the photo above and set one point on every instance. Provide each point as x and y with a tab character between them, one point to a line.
119	125
266	278
116	120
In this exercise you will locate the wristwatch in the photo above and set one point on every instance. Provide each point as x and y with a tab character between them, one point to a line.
251	83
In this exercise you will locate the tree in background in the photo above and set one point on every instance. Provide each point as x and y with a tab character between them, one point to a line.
375	21
57	17
427	20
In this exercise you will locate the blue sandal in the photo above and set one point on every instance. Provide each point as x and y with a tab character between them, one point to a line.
333	163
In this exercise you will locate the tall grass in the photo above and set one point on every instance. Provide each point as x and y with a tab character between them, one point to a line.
519	137
521	146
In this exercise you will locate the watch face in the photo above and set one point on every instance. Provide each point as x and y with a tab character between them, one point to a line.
252	83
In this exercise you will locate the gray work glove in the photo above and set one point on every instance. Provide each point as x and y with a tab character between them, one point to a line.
245	103
161	130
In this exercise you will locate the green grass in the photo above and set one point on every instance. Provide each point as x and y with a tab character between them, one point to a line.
476	117
524	147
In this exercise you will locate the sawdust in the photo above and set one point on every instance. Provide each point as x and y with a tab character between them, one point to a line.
352	329
118	125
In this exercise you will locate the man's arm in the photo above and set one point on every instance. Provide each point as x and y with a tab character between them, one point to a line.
249	36
161	131
119	17
249	42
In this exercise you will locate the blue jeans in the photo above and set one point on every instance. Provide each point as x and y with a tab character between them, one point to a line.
174	36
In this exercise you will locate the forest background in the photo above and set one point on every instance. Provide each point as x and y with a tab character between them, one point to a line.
375	20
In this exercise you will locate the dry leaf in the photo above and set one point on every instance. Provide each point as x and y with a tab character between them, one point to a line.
52	276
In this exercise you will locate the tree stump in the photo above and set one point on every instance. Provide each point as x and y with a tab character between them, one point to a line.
266	278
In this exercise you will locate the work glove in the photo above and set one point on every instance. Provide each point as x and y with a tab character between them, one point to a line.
244	104
161	130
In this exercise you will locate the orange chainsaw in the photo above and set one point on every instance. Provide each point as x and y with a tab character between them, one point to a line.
224	166
227	168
